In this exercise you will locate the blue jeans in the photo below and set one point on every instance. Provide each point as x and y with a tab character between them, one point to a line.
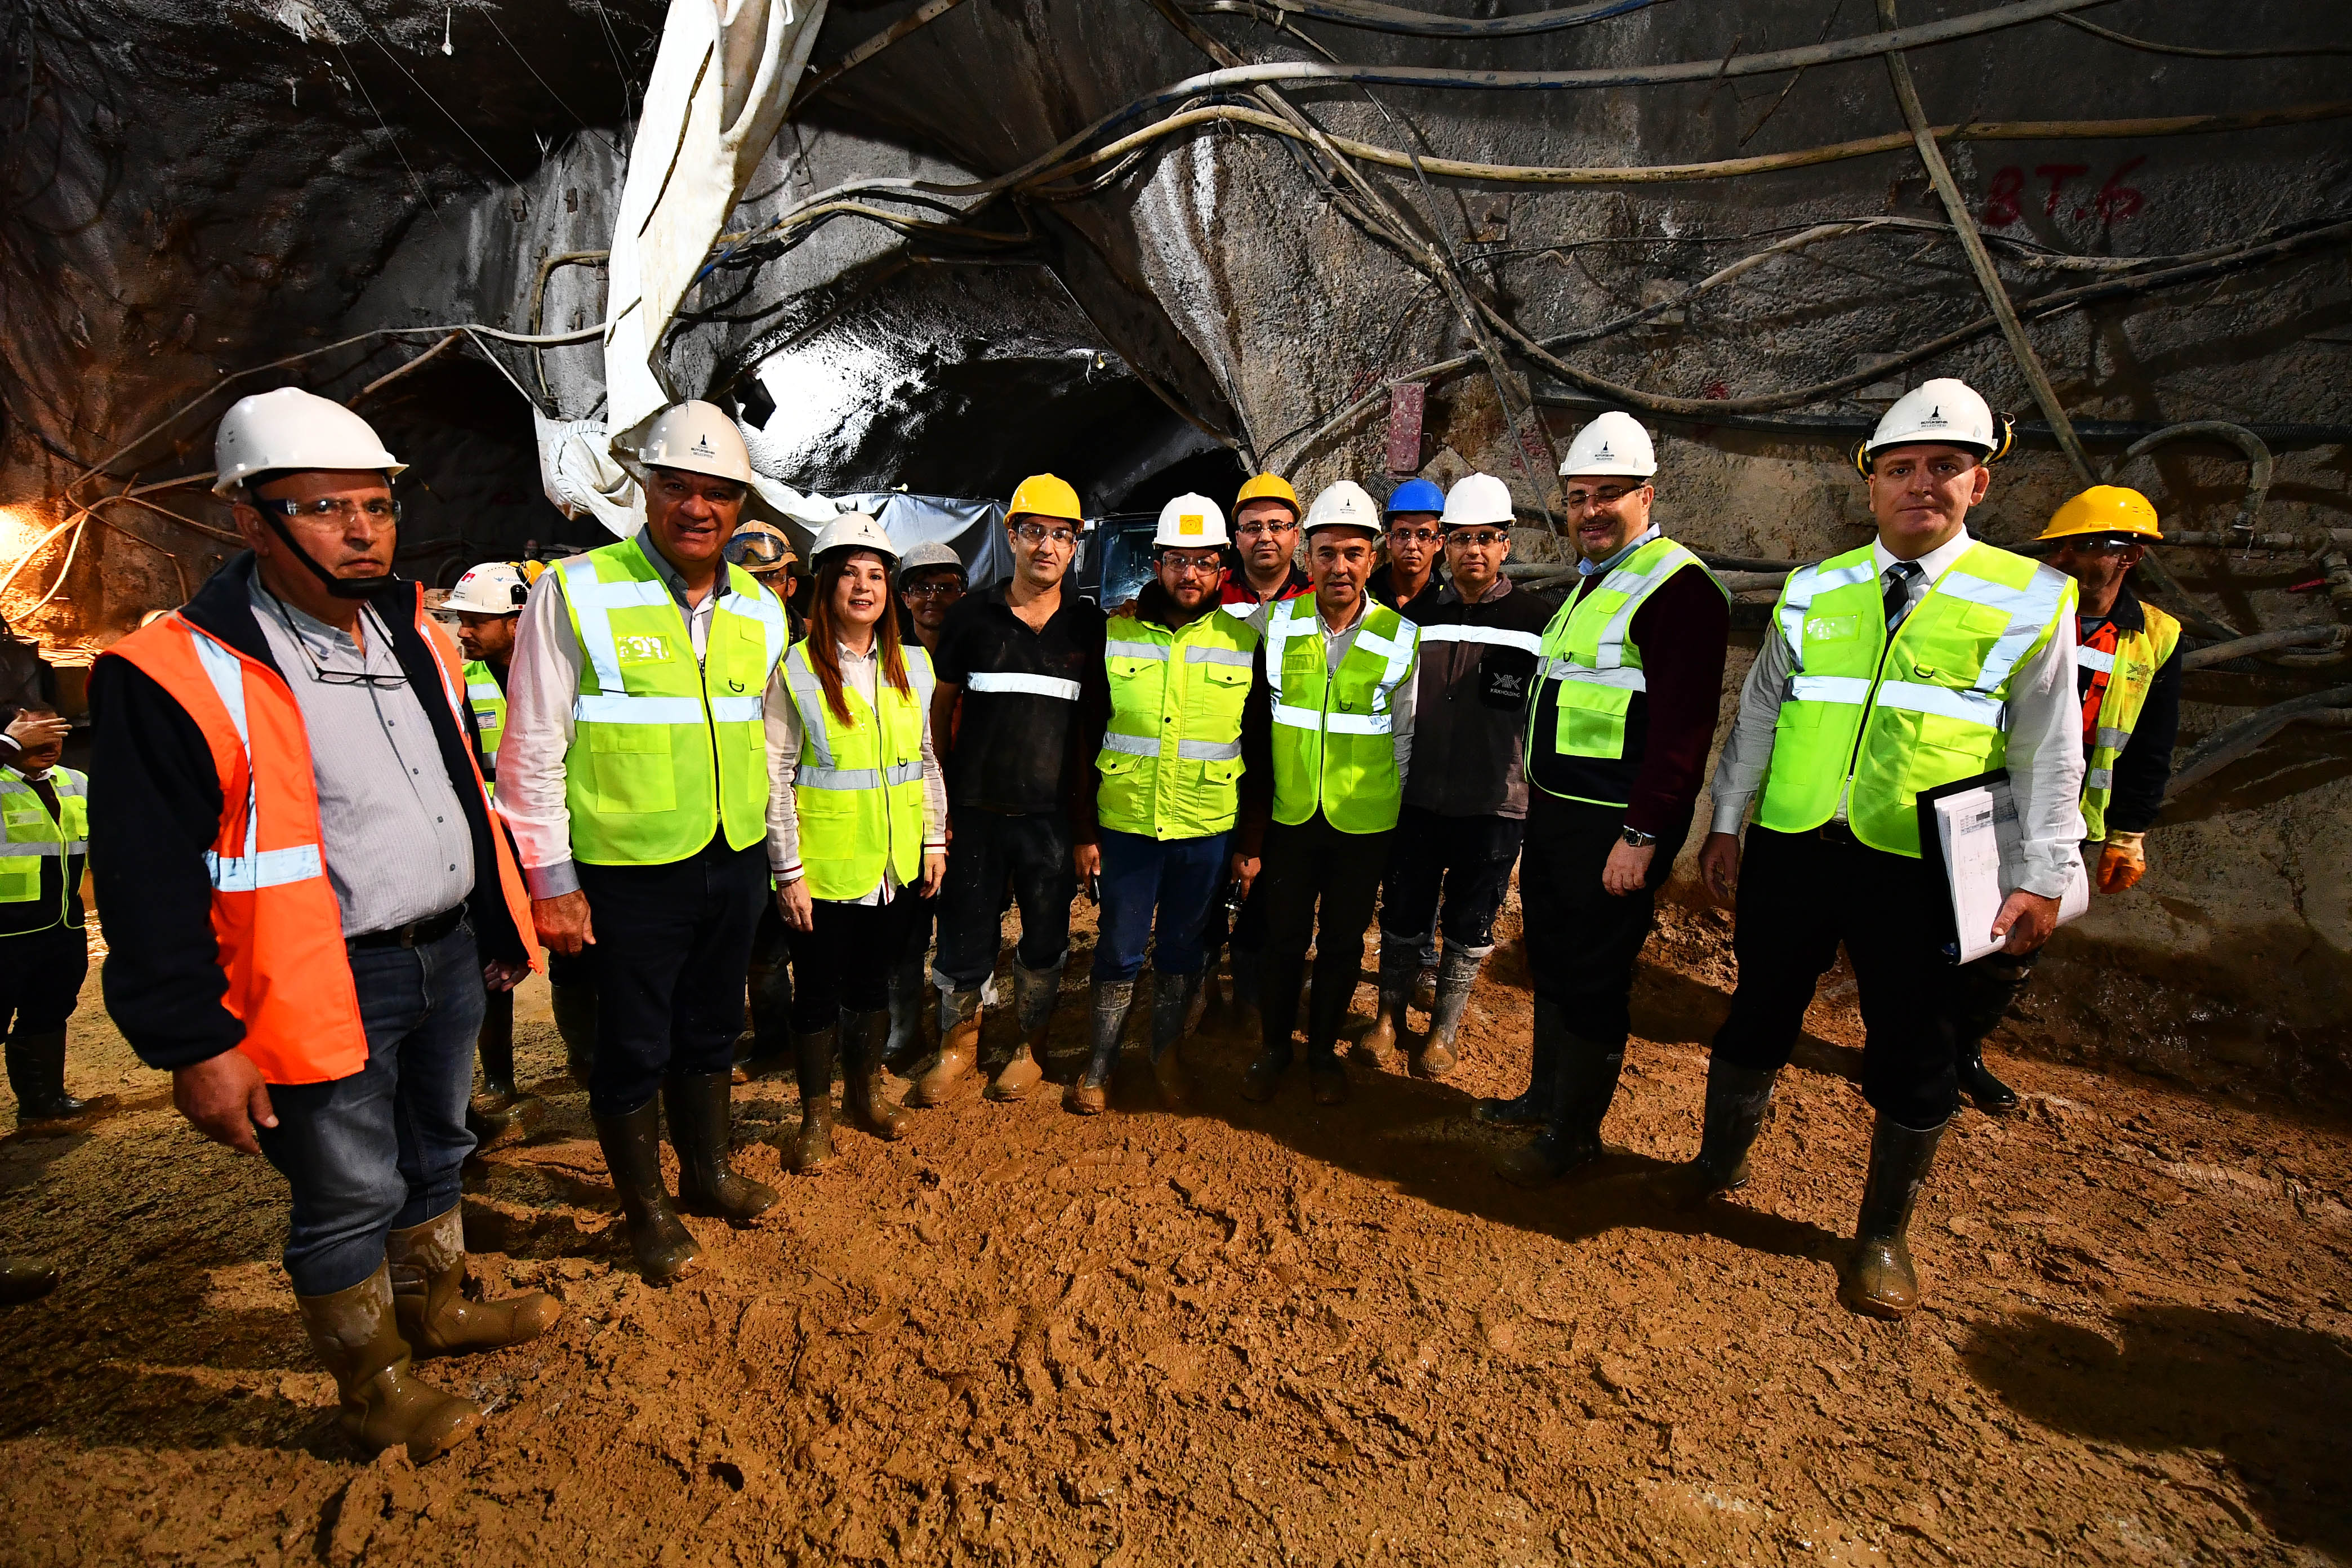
380	1150
1180	877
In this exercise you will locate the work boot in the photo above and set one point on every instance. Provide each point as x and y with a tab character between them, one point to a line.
575	1021
427	1267
769	980
1533	1107
1112	1001
1400	961
1737	1100
501	1113
1582	1087
664	1248
1034	992
1455	975
1260	1077
36	1071
864	1037
356	1334
905	1045
812	1146
1327	1080
1171	1006
26	1279
700	1128
1880	1282
1988	1093
959	1014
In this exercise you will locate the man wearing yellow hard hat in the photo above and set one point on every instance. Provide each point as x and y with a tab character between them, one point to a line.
2127	671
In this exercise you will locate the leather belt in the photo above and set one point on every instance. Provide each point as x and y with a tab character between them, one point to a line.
415	933
1836	832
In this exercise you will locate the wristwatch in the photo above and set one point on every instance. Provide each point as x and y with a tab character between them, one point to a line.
1635	838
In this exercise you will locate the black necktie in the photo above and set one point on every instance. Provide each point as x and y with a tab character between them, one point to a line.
1898	590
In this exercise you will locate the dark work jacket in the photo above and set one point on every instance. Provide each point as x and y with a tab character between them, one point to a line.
1381	586
155	809
1470	710
2144	767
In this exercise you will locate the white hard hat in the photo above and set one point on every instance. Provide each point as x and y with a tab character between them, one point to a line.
288	429
1345	505
1944	412
1613	444
493	588
1192	522
853	531
697	437
932	556
1477	500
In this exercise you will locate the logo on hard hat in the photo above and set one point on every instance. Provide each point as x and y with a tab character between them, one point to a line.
1604	451
1935	416
702	447
1192	522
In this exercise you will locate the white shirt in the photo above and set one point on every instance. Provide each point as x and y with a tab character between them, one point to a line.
2044	721
859	672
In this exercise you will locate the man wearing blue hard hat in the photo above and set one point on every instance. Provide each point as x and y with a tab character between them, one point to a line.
1408	583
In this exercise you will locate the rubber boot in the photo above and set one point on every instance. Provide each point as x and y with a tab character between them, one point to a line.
501	1113
1172	1008
1533	1107
864	1037
1113	999
1880	1282
575	1021
905	1043
1280	1001
356	1334
1737	1100
1243	1021
664	1248
428	1266
1034	992
1985	1091
811	1145
1400	961
1455	975
36	1071
26	1279
959	1014
1581	1091
770	983
1327	1079
701	1120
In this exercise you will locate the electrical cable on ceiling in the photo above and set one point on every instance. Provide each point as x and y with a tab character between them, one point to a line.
1375	18
2282	52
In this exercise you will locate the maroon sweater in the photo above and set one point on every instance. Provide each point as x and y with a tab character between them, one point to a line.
1684	629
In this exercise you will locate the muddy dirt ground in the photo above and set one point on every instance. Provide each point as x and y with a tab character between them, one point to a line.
1277	1334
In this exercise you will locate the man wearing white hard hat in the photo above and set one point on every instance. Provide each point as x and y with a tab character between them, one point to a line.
306	893
1924	657
635	775
1341	669
1181	793
1620	719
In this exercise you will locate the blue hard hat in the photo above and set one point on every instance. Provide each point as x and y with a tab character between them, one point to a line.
1416	495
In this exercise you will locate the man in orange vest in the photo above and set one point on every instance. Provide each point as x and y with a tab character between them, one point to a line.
306	895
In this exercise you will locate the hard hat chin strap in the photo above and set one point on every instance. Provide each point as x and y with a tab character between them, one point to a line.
341	587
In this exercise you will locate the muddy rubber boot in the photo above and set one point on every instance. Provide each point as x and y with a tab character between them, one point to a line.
904	1045
1531	1107
356	1335
428	1266
1455	975
701	1122
1985	1091
26	1279
1172	1008
1400	961
1737	1100
36	1071
1880	1281
1113	1000
575	1021
1582	1089
501	1113
864	1037
664	1248
810	1145
959	1015
1034	992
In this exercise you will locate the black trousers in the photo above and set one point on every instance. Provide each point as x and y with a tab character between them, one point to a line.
40	978
1984	991
1033	851
1320	887
1799	896
1464	861
844	962
771	982
673	943
1583	940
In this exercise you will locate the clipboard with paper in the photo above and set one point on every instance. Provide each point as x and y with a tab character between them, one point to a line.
1973	822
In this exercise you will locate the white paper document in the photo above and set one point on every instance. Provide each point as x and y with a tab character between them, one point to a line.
1980	835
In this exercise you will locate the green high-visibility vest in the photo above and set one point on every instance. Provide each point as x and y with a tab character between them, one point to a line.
1334	749
666	753
858	790
487	699
33	838
1880	720
1589	717
1171	757
2131	671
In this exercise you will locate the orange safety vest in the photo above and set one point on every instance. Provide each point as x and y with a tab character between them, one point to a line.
275	916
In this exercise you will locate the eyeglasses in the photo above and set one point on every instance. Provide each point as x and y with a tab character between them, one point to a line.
375	509
1415	535
1192	566
1478	538
1255	530
1038	534
1607	495
947	589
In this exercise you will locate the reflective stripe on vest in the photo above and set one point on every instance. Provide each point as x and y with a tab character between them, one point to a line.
858	791
667	751
1000	681
1588	726
1170	757
1493	636
2131	675
1332	746
1877	720
35	839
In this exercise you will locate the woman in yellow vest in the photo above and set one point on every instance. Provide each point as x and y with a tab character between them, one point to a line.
857	822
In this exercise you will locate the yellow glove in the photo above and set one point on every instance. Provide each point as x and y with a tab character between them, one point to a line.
2123	861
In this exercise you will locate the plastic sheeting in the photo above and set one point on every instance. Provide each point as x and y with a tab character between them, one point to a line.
972	529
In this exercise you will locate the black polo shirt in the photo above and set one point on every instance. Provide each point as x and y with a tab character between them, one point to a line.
1034	703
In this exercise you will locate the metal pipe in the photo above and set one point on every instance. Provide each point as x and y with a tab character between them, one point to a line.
2265	642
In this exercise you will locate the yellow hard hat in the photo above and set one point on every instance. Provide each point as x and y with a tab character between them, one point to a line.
1270	486
2105	508
1043	495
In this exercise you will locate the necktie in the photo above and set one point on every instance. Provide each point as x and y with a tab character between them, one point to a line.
1899	578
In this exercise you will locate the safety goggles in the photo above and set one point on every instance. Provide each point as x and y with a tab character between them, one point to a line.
375	509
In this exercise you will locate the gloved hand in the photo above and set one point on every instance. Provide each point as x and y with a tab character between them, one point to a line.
2123	861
